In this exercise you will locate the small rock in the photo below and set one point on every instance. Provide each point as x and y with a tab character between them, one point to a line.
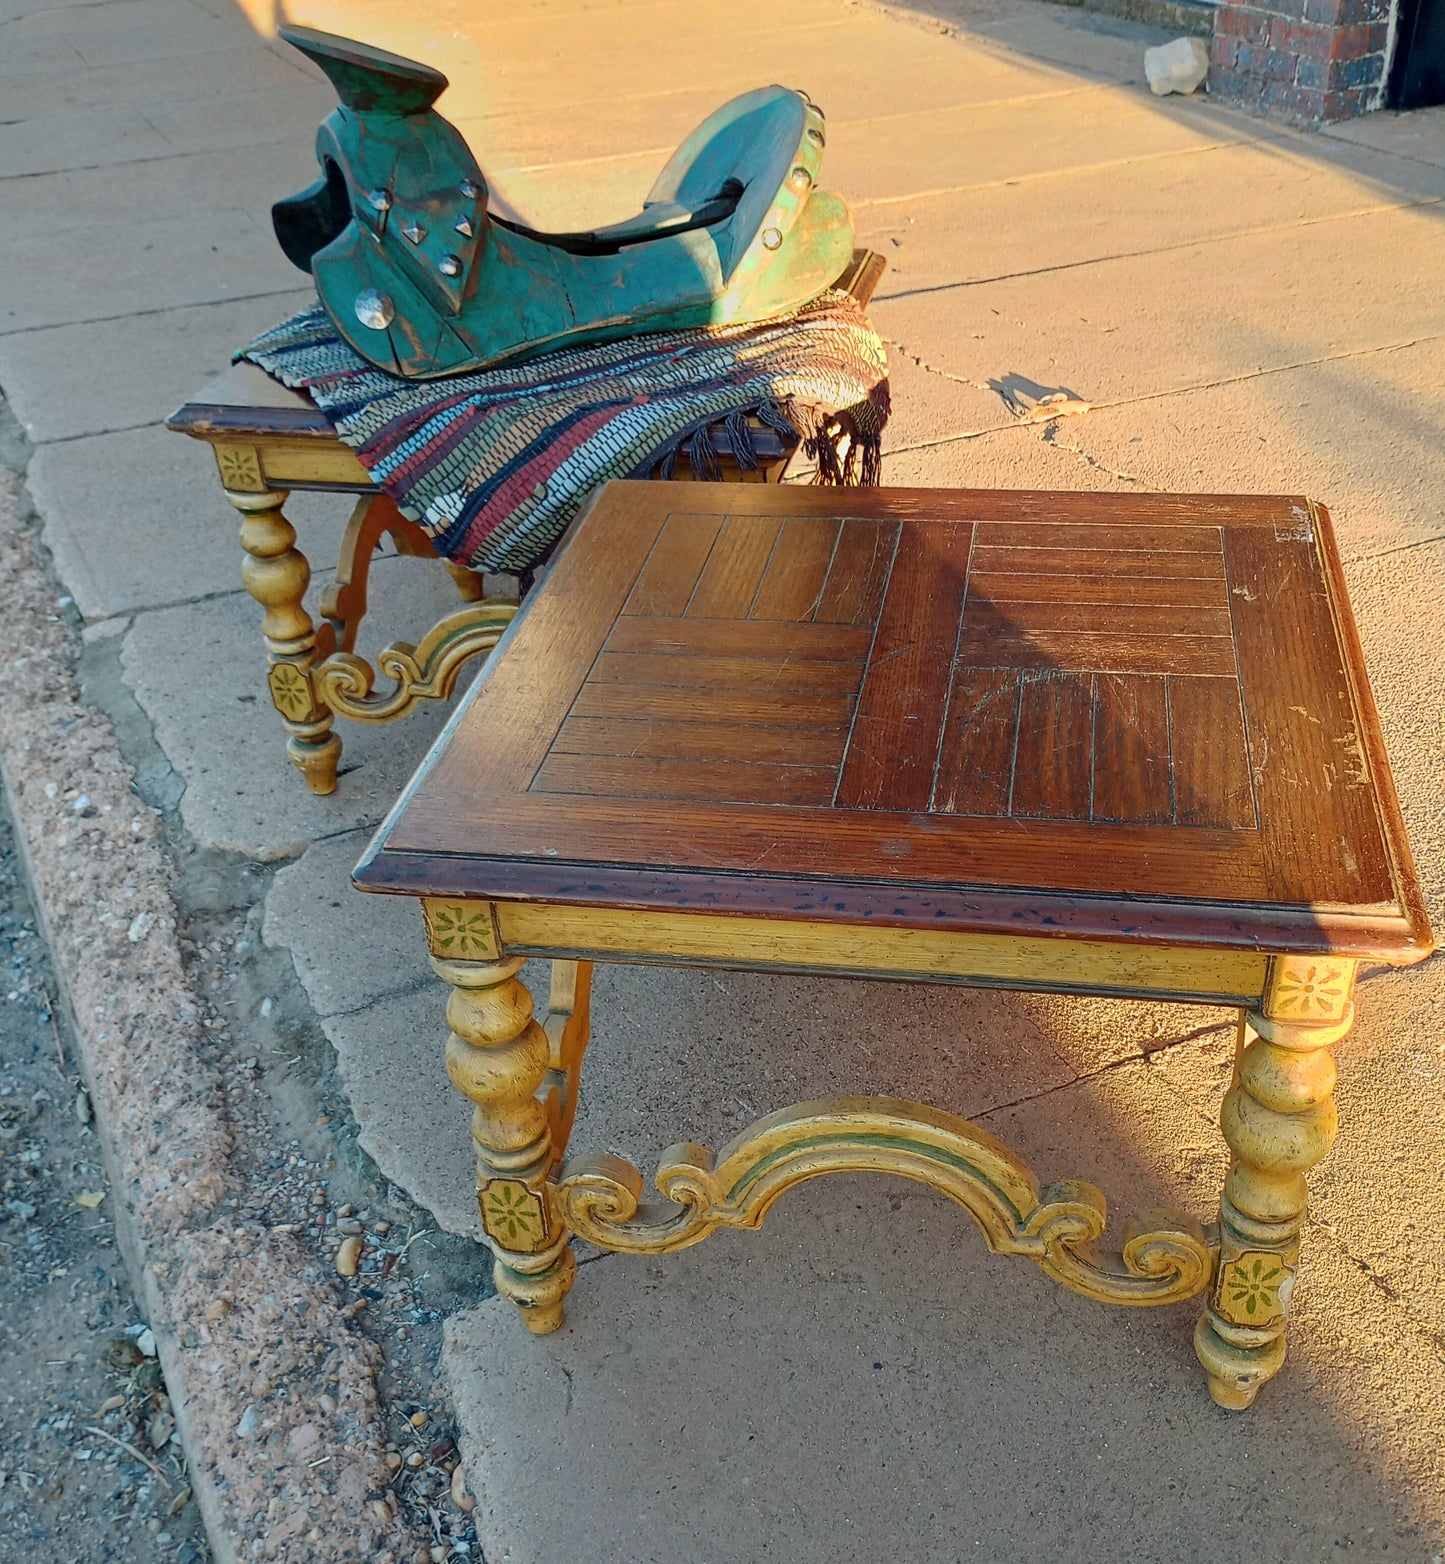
160	1429
346	1210
246	1428
146	1342
417	1419
348	1257
82	1106
415	1459
91	1199
382	1229
1180	66
349	1225
461	1496
110	1404
139	926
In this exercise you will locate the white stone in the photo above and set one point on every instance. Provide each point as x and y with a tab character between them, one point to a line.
1180	66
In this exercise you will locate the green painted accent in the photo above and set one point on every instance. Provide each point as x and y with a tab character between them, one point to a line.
1256	1286
886	1142
510	1215
464	933
290	691
735	229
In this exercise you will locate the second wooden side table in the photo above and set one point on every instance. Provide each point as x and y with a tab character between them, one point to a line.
1089	744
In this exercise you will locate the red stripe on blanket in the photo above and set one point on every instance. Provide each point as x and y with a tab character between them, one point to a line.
522	484
395	431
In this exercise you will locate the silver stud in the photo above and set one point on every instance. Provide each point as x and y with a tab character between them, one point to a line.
374	309
463	226
801	179
450	266
772	238
380	199
470	189
415	232
815	136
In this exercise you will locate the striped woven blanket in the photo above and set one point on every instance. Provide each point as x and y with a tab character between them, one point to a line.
494	465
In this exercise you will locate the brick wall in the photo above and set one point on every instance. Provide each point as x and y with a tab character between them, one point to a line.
1304	60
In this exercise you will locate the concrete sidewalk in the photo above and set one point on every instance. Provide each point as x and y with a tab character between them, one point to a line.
1242	308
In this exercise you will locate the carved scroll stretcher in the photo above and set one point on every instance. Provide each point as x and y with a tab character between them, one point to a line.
1165	1257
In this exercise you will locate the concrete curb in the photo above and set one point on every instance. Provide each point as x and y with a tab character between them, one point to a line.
274	1391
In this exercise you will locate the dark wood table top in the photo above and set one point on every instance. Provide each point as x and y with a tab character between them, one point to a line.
1135	717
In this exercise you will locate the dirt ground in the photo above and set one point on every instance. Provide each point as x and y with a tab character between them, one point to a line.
90	1461
90	1469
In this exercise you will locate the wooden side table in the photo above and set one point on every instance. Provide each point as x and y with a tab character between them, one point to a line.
269	440
1091	744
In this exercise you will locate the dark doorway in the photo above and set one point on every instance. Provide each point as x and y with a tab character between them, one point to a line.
1417	77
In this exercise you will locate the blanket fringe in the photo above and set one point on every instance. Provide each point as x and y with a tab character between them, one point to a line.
847	446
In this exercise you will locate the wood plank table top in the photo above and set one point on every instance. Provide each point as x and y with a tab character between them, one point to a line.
1117	716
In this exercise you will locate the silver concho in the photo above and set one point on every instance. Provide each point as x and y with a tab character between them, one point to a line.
463	226
374	309
414	231
450	265
470	189
380	198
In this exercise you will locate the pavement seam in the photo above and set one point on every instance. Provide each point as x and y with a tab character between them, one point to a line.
873	203
160	1106
1015	101
92	434
424	983
1051	438
221	595
1380	1283
1080	1076
1263	231
160	309
1157	396
1400	548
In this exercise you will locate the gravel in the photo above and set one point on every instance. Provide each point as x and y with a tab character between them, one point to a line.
294	1391
90	1469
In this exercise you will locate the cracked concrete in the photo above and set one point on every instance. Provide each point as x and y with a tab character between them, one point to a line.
1226	305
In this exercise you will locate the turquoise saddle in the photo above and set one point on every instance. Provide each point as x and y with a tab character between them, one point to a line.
422	279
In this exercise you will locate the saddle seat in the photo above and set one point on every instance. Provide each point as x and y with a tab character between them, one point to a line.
423	277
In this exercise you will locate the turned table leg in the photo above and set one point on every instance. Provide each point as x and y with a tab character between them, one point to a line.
1279	1120
498	1056
276	575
